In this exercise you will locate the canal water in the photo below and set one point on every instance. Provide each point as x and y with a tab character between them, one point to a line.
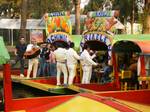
23	91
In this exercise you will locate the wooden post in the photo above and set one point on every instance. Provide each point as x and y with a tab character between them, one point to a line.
143	72
115	68
7	88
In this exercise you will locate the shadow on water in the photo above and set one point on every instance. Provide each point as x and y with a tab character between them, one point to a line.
23	91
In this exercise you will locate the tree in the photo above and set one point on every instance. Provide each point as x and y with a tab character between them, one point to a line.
10	9
58	5
128	11
23	18
37	8
93	5
77	16
146	20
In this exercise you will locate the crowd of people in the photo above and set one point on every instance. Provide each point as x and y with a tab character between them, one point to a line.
55	60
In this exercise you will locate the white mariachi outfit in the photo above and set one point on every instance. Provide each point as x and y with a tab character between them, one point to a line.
87	62
72	58
33	63
60	55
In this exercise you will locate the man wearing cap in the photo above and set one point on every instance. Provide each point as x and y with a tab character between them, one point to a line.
72	58
60	55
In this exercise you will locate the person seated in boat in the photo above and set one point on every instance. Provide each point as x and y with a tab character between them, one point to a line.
87	63
94	69
133	69
33	61
108	69
19	52
61	58
72	59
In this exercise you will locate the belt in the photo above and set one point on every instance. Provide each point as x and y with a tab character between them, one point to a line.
61	62
86	65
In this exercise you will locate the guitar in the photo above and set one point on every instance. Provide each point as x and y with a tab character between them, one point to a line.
32	53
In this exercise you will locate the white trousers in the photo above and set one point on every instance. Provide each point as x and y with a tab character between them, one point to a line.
61	68
72	73
33	63
87	72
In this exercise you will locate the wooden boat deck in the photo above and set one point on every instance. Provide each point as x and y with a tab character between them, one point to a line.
139	107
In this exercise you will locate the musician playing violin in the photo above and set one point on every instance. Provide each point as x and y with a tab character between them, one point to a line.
33	62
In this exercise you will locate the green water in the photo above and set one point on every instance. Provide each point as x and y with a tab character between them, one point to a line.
23	91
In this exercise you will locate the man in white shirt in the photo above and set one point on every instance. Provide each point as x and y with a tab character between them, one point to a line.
60	55
33	63
72	58
87	62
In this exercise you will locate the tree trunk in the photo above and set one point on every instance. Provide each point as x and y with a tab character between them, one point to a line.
23	18
132	17
44	7
77	16
146	23
146	30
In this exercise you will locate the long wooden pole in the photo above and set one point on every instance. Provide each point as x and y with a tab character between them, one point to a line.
116	75
7	88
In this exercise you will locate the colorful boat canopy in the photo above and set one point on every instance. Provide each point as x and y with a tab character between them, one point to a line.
96	36
59	36
58	21
4	56
101	21
143	41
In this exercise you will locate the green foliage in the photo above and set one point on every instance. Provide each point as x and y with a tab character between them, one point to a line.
126	7
36	8
7	5
58	5
93	5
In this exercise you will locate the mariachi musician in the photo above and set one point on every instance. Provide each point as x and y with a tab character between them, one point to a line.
87	63
32	52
